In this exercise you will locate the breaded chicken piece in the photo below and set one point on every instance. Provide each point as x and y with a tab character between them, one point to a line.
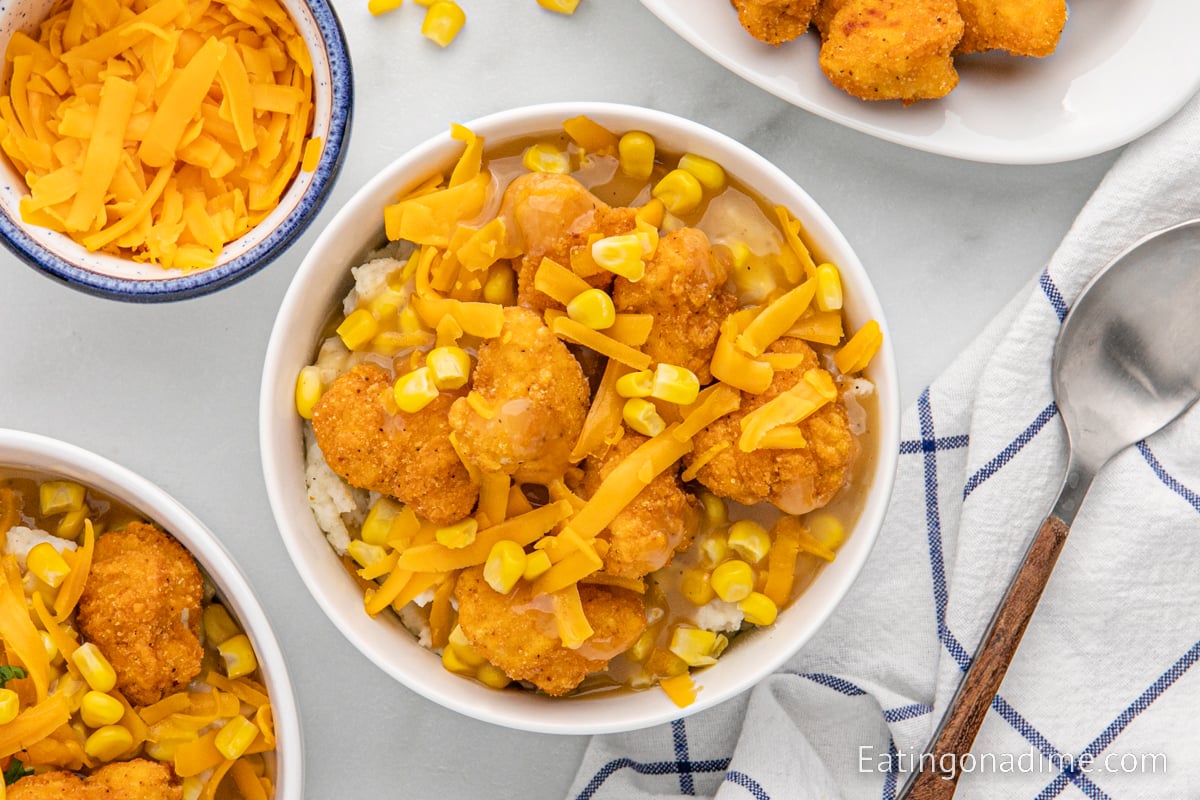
1021	27
139	779
660	522
141	607
403	455
517	632
684	289
551	214
797	481
892	49
538	396
775	21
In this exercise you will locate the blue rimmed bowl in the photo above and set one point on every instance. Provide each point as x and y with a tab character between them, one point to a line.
61	258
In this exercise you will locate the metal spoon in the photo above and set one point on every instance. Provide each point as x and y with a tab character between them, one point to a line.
1126	363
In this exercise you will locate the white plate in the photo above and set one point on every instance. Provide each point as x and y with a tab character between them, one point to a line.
1121	68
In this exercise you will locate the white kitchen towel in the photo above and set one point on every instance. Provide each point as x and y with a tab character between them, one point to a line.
1101	701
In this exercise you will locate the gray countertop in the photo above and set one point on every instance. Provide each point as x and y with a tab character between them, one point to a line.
171	391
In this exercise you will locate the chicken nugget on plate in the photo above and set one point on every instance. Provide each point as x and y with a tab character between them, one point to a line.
1020	27
775	21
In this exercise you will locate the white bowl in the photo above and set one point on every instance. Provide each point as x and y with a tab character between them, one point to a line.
319	285
40	454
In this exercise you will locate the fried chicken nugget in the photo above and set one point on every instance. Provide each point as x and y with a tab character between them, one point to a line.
517	632
797	481
538	397
684	289
891	49
1021	27
551	214
139	779
403	455
141	607
775	21
660	522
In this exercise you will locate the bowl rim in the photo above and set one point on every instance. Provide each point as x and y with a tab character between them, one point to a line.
535	712
40	453
202	282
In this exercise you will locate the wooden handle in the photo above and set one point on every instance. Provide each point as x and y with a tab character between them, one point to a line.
939	774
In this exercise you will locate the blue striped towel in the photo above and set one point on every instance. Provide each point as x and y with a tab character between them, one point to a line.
1101	700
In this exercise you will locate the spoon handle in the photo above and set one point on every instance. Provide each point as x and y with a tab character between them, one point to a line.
939	767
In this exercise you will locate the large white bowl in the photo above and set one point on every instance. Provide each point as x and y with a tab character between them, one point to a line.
41	454
324	278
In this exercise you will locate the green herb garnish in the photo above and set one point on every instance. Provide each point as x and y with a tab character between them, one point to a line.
11	673
15	771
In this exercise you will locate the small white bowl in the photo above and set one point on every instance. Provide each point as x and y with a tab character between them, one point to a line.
324	278
62	258
43	455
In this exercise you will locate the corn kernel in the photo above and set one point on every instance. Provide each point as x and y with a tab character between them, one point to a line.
443	20
561	6
99	709
642	647
308	390
94	667
387	303
636	151
679	190
238	655
358	328
235	737
621	254
451	367
463	648
193	785
58	496
218	624
108	743
708	172
536	563
49	646
365	554
636	384
675	384
714	512
45	562
545	157
593	308
758	609
696	646
493	676
377	7
504	566
643	417
749	540
696	586
826	529
453	663
714	549
10	706
733	580
71	524
500	286
409	321
415	390
829	288
460	534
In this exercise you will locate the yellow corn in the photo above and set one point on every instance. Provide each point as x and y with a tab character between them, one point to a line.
99	709
593	308
826	529
545	157
415	390
377	527
675	384
450	366
365	554
47	564
377	7
642	647
238	655
536	563
636	384
829	288
193	785
505	566
714	511
458	535
636	150
94	667
443	20
679	190
561	6
49	646
490	674
218	624
108	743
308	390
358	328
387	303
758	609
10	706
714	549
749	540
71	524
409	321
696	586
452	662
500	286
643	417
235	737
621	254
696	646
733	580
59	496
466	651
708	172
